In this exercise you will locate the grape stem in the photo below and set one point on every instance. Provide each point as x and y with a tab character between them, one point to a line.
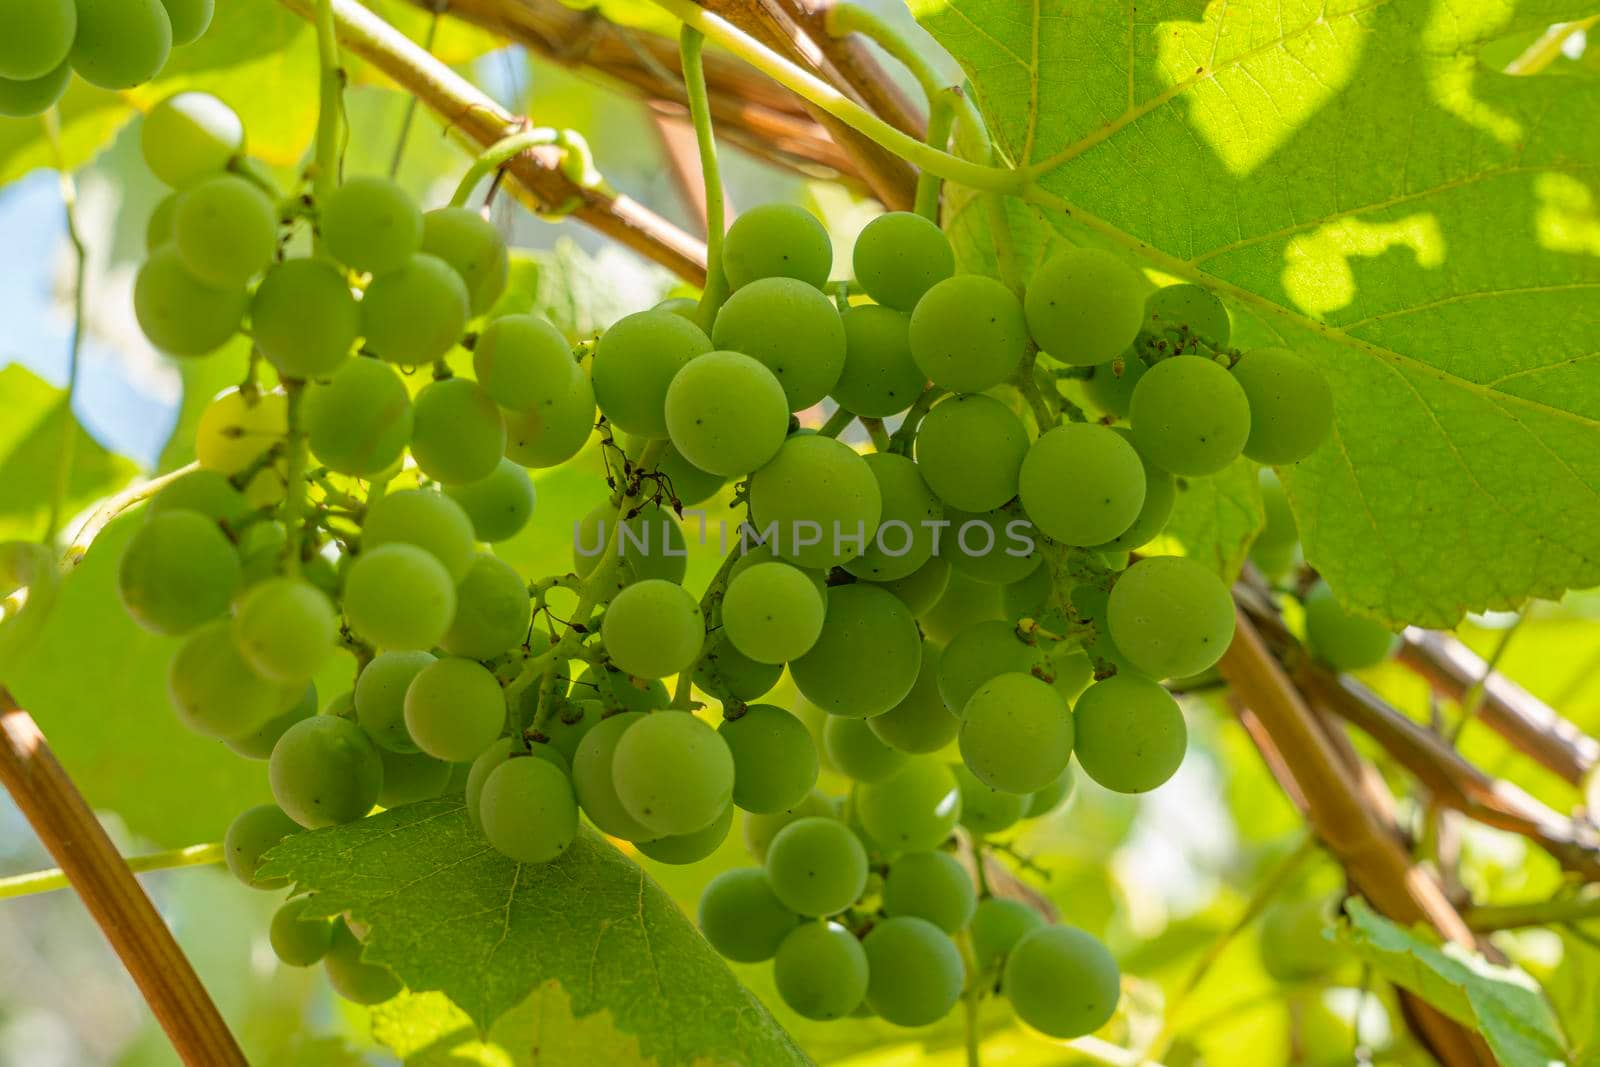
972	996
941	120
80	254
876	433
48	881
497	156
112	507
836	423
905	436
691	46
330	109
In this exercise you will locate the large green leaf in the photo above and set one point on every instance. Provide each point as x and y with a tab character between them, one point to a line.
426	1030
449	913
1421	227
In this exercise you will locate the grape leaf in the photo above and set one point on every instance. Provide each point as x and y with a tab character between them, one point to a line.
1419	226
426	1030
449	913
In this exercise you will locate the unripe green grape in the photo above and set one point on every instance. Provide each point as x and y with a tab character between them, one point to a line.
235	429
634	364
964	601
880	378
528	811
286	628
1111	392
726	413
249	836
732	677
899	256
921	589
416	313
190	136
1160	496
1043	801
1273	550
35	96
790	327
263	548
742	917
857	752
454	709
549	436
225	230
985	809
913	810
867	657
970	451
1190	416
371	225
997	925
427	519
687	483
674	773
399	597
524	362
458	436
1084	306
821	971
1291	405
907	524
1016	733
297	939
651	544
1082	484
1131	736
817	866
359	421
492	610
596	784
1291	941
686	306
571	721
1344	641
683	849
980	652
920	723
411	777
205	492
628	694
1181	312
120	43
772	613
177	571
380	697
916	970
325	771
257	744
777	241
38	37
994	547
653	628
968	333
1061	981
760	829
215	693
1170	616
304	318
488	761
354	980
816	487
190	19
473	248
774	758
179	313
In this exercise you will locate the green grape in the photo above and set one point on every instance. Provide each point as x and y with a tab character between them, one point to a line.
630	694
380	697
1170	616
1291	942
742	917
1291	405
1190	416
1274	548
880	378
524	363
263	548
596	784
120	43
983	651
913	810
325	771
1160	496
686	306
674	774
1085	306
286	628
994	547
907	526
1342	640
1181	312
920	723
488	761
821	971
920	590
38	37
931	886
458	436
353	979
177	571
225	230
1061	981
454	709
304	319
549	436
416	313
687	483
772	613
726	413
759	830
817	503
817	866
1016	733
189	136
774	758
235	430
1130	734
997	925
756	553
190	19
635	363
899	256
1110	391
777	241
1043	801
359	421
492	610
791	328
683	849
528	811
371	225
398	596
35	96
249	836
429	520
571	721
411	777
650	543
985	809
1027	596
867	657
1082	484
215	693
916	970
970	451
473	248
965	600
968	334
297	939
179	313
857	752
731	676
653	628
257	744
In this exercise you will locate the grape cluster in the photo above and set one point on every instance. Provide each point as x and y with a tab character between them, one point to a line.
113	44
